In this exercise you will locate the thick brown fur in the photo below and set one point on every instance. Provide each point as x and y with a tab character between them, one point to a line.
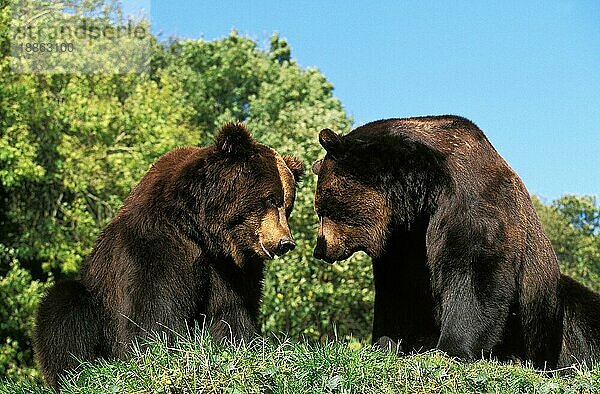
187	246
581	337
460	259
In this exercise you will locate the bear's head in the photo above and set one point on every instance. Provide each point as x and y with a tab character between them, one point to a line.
370	183
236	196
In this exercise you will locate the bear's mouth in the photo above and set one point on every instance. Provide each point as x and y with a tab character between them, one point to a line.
334	257
346	254
266	252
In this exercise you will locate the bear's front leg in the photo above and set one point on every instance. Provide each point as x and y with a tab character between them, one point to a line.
403	307
473	315
234	325
153	309
232	310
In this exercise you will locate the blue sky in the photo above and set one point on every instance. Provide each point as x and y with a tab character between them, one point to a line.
528	73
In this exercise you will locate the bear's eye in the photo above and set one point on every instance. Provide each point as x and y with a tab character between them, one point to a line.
271	202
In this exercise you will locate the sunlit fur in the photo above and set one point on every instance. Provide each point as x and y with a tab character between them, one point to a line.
273	225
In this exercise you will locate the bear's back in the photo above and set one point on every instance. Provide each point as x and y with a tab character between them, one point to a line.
447	134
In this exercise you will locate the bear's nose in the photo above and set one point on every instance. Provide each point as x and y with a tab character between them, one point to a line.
285	245
319	252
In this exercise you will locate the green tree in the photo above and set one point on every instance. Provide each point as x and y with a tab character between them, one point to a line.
75	146
19	296
572	223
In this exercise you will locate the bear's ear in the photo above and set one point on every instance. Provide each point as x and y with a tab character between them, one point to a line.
295	165
316	167
331	142
234	138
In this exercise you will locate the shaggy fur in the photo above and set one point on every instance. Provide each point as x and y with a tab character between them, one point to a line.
189	244
460	259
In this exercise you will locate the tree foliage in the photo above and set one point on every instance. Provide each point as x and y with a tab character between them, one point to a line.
19	296
573	226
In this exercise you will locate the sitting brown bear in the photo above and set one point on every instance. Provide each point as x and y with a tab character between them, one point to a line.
460	259
189	243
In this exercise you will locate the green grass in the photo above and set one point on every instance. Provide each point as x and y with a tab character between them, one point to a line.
275	366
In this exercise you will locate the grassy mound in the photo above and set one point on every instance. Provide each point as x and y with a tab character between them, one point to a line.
281	366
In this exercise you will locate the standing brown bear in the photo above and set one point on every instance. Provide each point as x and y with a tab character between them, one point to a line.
460	259
189	243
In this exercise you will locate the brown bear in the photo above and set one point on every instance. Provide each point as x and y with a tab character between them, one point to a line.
188	244
460	259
